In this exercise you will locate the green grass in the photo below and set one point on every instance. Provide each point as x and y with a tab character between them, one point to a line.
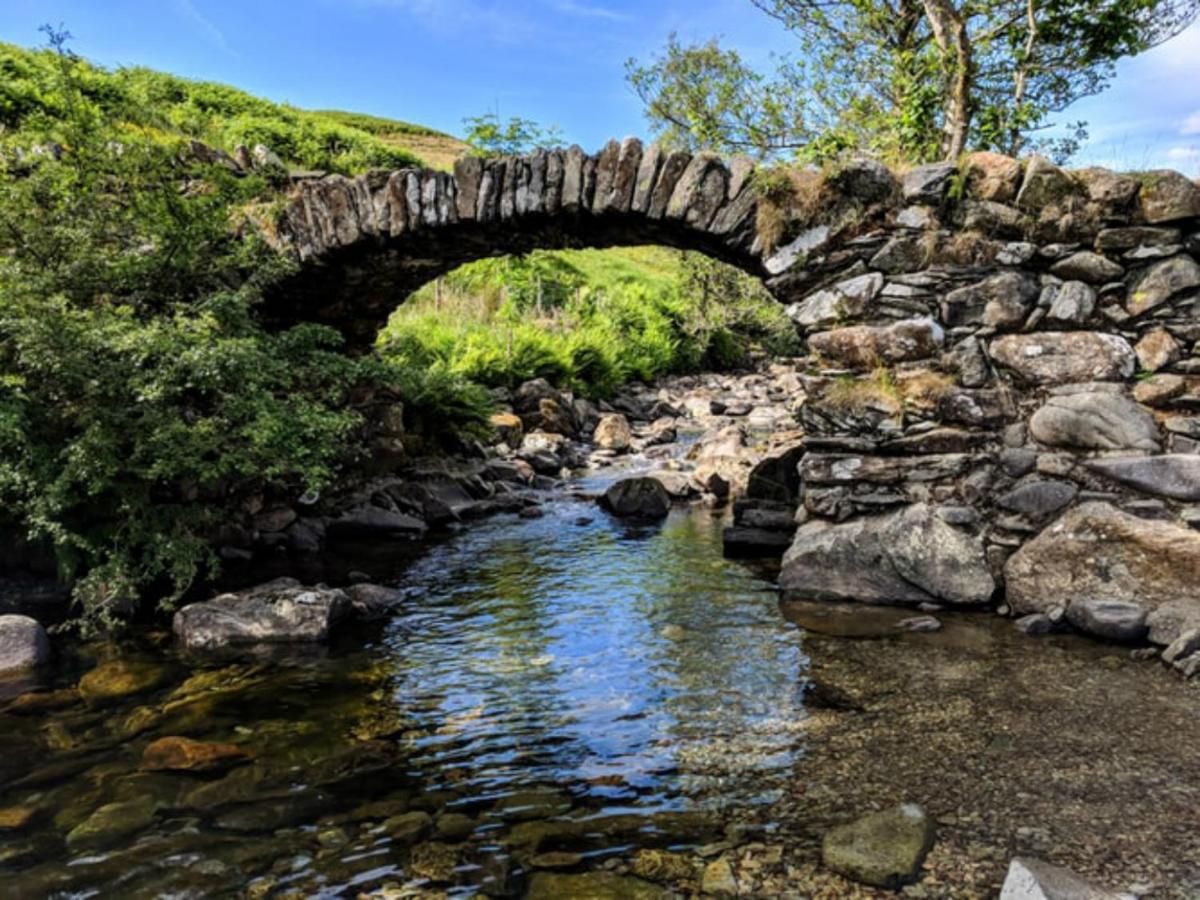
32	107
589	320
377	125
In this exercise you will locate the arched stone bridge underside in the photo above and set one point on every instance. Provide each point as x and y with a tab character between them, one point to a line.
1001	402
364	244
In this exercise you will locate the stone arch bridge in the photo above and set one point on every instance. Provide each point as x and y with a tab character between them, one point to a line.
1001	403
363	244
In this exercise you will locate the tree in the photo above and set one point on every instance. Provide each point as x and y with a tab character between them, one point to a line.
911	80
489	136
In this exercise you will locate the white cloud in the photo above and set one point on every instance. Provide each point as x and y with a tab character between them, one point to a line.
590	11
498	23
203	23
1190	125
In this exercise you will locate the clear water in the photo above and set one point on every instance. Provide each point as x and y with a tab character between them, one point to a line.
624	684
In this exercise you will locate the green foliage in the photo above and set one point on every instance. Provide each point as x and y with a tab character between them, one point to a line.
155	104
487	135
588	320
910	82
701	96
139	400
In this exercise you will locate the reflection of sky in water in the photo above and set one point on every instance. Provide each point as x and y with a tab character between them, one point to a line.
632	659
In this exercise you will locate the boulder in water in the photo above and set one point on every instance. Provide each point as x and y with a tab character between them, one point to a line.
23	643
637	498
613	433
278	612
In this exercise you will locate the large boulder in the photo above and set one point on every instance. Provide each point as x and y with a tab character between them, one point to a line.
1117	568
637	498
1088	267
992	176
23	644
1056	357
1095	420
910	557
837	303
1168	196
928	183
1005	298
374	523
883	849
278	612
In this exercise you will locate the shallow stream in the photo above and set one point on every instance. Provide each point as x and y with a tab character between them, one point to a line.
563	692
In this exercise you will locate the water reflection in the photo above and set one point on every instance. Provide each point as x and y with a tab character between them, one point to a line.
551	687
620	659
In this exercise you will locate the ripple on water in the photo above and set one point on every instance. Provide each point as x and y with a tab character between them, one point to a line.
552	688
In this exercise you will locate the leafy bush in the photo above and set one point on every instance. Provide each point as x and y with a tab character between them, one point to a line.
140	403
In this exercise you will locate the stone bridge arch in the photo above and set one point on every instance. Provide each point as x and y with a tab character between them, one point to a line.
1001	402
365	243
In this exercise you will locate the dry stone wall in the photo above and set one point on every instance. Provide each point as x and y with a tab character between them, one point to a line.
1003	394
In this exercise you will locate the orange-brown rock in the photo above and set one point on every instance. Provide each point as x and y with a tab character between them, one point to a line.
14	818
180	754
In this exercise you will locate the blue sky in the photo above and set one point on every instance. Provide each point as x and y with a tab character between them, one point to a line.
555	61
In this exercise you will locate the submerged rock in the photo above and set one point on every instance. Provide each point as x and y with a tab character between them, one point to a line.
884	849
23	644
591	886
637	498
180	754
1032	879
109	824
718	880
278	612
121	678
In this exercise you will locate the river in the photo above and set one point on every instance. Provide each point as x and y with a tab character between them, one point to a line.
575	694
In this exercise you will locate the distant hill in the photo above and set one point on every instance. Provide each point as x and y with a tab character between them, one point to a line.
31	109
437	149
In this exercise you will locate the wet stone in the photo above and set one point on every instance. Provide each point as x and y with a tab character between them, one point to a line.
591	886
177	754
408	828
884	849
111	824
114	680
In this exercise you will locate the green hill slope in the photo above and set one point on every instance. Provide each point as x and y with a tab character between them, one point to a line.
33	108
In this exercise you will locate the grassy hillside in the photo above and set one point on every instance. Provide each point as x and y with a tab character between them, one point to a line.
586	319
33	106
436	149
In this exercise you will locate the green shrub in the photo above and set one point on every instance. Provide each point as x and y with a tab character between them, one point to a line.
141	405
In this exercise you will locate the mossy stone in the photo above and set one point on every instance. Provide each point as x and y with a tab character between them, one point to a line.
591	886
884	849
